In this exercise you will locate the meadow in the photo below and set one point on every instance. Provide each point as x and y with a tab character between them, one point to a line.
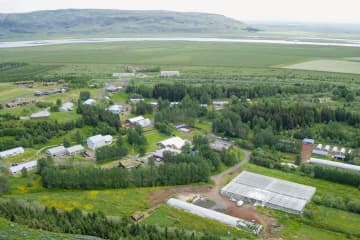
341	66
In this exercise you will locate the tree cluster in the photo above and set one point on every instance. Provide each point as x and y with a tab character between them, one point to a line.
332	174
91	224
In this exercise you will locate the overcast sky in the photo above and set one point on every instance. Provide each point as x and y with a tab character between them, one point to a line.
347	11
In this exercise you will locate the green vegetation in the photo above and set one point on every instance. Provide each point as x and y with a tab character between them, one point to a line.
122	202
13	231
341	66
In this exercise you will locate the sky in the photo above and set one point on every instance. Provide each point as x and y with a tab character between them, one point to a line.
332	11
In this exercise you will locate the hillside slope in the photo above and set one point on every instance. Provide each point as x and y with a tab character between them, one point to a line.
73	23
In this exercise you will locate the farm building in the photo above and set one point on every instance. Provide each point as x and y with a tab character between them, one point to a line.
99	141
221	144
90	101
174	142
319	150
169	73
334	164
74	150
214	215
308	141
123	75
144	123
133	121
56	151
136	100
172	104
41	114
20	102
115	109
112	89
12	152
220	103
129	164
159	154
269	192
66	107
184	130
28	165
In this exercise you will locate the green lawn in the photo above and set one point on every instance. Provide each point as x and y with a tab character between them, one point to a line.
166	216
176	53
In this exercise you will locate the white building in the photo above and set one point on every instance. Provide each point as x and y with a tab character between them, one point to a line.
66	107
308	141
11	152
328	163
115	109
90	101
220	103
134	120
136	100
214	215
28	165
144	123
169	73
123	75
99	141
159	154
41	114
75	150
58	151
269	192
174	142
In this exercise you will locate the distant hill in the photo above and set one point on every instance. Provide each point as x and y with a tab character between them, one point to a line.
74	23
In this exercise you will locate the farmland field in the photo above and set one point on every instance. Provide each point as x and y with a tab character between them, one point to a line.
123	202
341	66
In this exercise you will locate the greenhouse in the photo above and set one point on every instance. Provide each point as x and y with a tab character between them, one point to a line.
214	215
269	192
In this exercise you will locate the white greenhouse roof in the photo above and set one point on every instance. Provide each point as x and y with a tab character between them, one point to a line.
334	164
89	101
27	165
135	119
204	212
74	149
40	114
174	142
56	150
11	152
270	191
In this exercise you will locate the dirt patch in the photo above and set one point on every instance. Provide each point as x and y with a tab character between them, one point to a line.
249	213
160	196
306	151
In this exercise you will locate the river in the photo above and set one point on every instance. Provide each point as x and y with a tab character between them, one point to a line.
303	41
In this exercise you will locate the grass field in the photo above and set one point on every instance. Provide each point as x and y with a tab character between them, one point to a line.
341	66
119	202
166	216
176	53
14	231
